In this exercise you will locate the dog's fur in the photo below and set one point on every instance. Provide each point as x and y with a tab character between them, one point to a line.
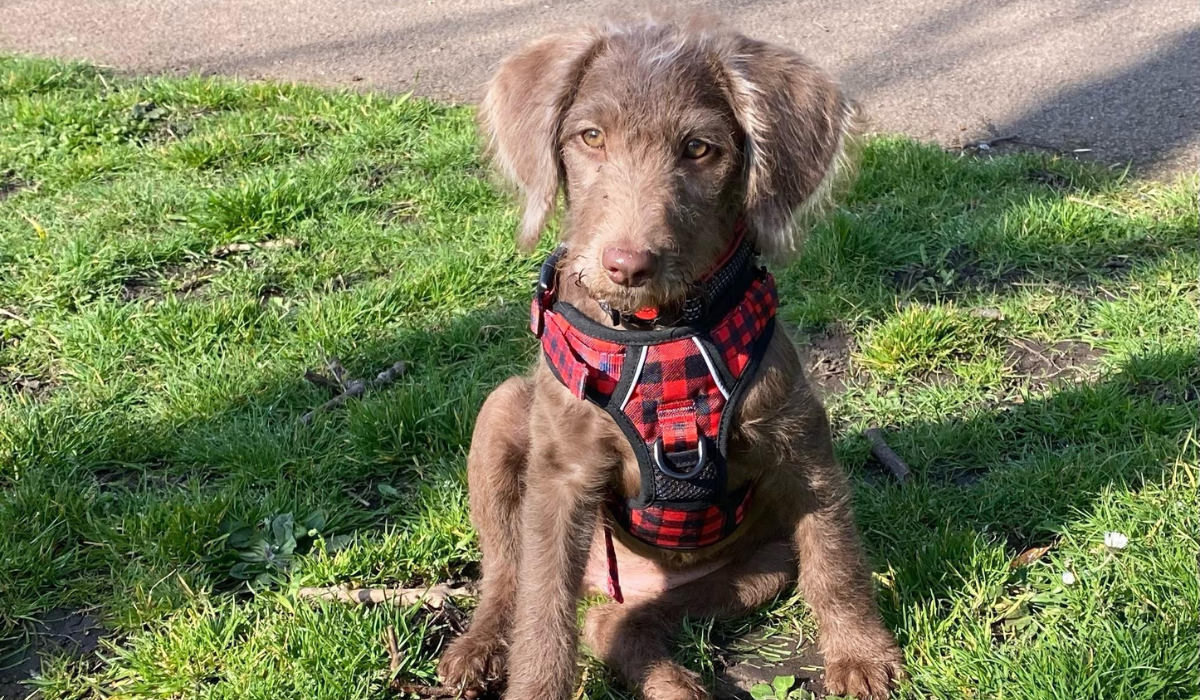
541	461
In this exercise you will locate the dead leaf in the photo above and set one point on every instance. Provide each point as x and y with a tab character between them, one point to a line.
1029	556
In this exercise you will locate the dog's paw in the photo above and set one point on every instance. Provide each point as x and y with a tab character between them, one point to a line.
867	675
473	663
667	680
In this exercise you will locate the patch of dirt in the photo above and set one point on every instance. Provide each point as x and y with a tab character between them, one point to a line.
959	272
378	175
1171	393
59	632
10	184
1118	265
1053	180
29	384
766	657
826	358
137	289
155	285
1049	365
269	292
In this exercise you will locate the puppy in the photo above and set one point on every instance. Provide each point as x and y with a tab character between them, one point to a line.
677	148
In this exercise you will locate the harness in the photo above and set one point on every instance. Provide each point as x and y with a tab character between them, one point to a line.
673	391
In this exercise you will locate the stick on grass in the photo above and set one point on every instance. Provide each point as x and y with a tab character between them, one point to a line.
393	648
887	456
433	596
354	388
426	691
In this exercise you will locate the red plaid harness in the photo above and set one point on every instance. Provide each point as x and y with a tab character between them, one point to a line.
673	392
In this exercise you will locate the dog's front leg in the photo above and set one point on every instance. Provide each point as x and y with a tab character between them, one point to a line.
558	519
861	656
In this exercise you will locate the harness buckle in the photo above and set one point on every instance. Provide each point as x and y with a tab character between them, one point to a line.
664	465
549	272
543	294
537	318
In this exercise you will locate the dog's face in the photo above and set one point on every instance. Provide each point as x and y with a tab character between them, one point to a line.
652	154
661	137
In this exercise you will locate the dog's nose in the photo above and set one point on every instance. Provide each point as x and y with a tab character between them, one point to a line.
629	268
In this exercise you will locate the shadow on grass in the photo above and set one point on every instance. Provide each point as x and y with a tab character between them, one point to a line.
1035	469
153	490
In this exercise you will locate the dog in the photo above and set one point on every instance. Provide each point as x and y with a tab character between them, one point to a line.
676	148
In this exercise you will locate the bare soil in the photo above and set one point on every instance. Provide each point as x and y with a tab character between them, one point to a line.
826	357
58	632
1045	365
788	656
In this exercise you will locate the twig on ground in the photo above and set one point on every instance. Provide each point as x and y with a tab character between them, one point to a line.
987	145
1014	138
13	316
886	455
336	369
988	313
453	616
433	596
362	501
194	283
390	374
318	379
393	651
353	389
224	251
1038	353
425	691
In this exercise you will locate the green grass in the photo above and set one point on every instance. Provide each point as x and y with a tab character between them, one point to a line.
150	392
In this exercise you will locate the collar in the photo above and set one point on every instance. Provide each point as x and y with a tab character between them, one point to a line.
709	299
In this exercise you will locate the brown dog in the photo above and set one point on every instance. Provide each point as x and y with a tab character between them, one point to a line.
661	138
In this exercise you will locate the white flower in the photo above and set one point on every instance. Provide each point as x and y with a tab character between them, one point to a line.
1115	540
1068	578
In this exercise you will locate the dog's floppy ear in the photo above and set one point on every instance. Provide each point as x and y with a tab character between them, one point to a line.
520	117
796	121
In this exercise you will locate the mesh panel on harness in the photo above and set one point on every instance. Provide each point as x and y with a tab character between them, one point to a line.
673	392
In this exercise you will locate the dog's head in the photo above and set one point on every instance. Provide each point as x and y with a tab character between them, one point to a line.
661	136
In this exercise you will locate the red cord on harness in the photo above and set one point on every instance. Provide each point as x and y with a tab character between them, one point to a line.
614	579
650	313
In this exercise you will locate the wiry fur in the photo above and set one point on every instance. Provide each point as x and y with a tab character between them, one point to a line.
542	461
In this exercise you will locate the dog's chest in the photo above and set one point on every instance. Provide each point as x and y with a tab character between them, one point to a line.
641	577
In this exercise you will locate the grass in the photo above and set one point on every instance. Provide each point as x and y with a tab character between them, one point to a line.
1025	326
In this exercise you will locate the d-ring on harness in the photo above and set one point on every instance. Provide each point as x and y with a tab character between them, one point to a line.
673	391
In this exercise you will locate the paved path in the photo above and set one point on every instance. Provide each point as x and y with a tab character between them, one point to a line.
1118	77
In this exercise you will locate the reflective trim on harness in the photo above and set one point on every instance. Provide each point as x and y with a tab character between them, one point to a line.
637	374
711	369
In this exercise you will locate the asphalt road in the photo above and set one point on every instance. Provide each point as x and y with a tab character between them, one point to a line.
1115	80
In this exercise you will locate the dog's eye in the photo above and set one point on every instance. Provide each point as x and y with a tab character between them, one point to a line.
695	149
594	138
